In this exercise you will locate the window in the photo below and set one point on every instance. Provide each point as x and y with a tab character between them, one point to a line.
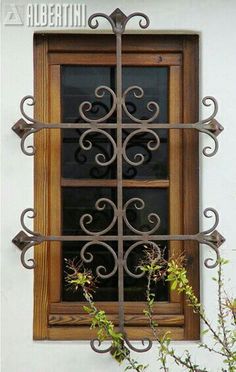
68	182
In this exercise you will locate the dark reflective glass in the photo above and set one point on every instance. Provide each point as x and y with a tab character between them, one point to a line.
155	201
107	289
78	85
154	82
77	202
135	287
79	163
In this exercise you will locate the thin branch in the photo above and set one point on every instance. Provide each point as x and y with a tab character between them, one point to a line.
187	364
205	346
150	318
221	312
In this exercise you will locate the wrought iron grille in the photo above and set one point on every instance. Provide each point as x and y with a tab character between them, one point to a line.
26	126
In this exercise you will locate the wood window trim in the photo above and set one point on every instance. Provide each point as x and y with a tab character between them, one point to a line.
51	319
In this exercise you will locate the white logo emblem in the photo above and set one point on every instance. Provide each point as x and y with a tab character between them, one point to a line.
12	16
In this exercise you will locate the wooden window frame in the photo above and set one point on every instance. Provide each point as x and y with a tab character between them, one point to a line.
53	319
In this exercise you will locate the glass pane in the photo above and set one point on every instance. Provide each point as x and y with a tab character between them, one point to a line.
155	201
80	201
78	85
135	287
78	163
107	289
77	202
154	82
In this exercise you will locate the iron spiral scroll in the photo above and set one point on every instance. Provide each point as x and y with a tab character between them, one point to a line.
27	238
26	126
209	126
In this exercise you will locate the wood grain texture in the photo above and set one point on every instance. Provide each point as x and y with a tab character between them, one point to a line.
191	177
130	319
158	184
143	59
175	167
41	190
106	43
54	186
159	308
134	333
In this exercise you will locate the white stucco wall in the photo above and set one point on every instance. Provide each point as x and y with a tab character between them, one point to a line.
215	22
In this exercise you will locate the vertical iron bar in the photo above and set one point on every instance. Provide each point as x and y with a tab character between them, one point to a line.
119	180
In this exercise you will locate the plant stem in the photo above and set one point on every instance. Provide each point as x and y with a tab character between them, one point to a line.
122	352
205	346
188	364
150	318
207	323
221	315
221	312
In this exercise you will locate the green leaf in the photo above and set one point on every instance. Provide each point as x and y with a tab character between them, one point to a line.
87	309
174	285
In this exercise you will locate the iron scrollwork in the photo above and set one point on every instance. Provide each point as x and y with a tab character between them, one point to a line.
152	106
152	145
100	158
87	106
100	205
153	218
27	238
26	126
209	126
89	258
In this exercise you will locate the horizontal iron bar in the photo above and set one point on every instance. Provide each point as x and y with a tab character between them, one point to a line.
94	238
209	126
211	237
22	126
